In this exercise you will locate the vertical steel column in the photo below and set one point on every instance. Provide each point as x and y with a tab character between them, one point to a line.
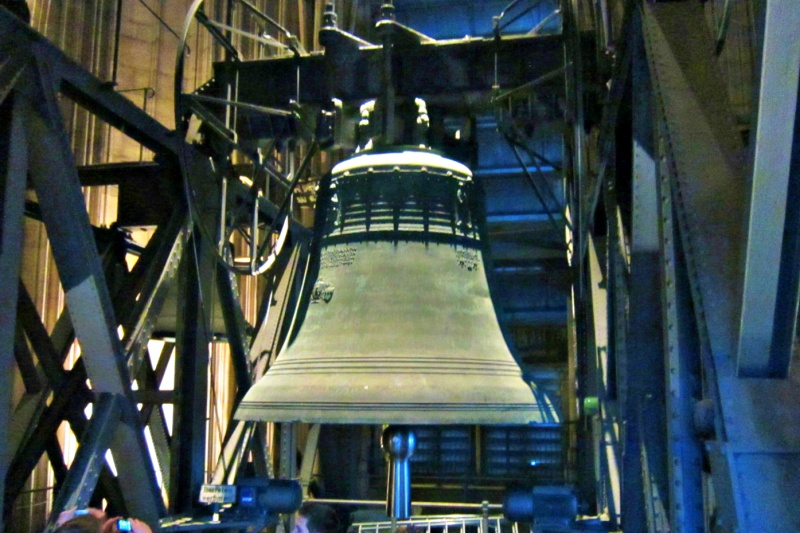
288	451
295	288
287	456
616	349
643	416
574	88
680	122
191	374
756	439
617	288
386	30
139	303
13	173
682	371
574	77
589	460
617	304
571	401
605	430
770	294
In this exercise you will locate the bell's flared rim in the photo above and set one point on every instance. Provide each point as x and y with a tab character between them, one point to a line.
376	398
399	413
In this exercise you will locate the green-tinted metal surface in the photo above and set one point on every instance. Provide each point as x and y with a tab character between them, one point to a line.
400	327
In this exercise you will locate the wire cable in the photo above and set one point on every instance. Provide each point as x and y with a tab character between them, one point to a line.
190	193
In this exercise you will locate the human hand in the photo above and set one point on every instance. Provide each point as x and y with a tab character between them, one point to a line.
136	526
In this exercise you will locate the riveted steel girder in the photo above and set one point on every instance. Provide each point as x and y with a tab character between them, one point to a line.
63	211
430	70
756	437
13	170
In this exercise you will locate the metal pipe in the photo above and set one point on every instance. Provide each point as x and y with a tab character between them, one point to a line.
517	16
283	209
542	23
263	16
531	84
505	9
601	12
163	23
295	44
117	29
269	41
533	184
722	28
266	18
223	208
398	442
254	232
542	158
297	82
535	159
380	503
575	92
211	26
387	15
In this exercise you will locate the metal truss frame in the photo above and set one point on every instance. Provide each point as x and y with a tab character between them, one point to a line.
33	73
755	433
99	299
707	437
700	436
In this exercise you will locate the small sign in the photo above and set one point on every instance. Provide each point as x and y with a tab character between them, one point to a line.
218	494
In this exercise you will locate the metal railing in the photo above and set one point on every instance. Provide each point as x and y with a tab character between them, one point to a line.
438	524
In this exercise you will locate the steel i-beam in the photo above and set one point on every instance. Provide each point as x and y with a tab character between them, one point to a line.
770	294
13	171
757	439
63	208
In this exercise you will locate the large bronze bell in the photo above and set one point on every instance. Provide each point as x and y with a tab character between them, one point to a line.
400	328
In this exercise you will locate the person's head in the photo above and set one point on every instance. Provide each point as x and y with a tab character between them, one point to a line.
81	524
316	518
